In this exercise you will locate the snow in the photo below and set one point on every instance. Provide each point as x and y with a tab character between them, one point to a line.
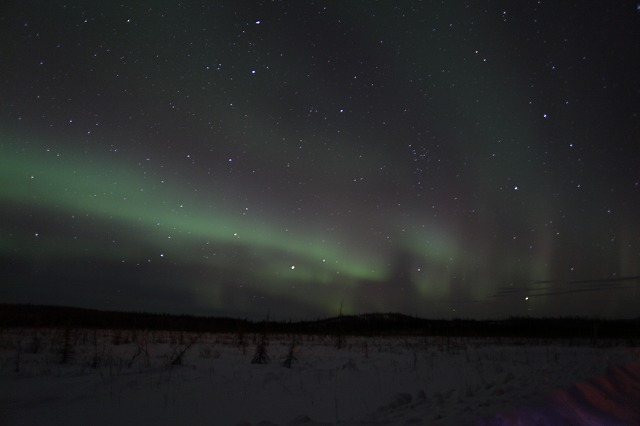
129	378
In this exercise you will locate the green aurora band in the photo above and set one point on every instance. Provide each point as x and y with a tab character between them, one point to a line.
166	216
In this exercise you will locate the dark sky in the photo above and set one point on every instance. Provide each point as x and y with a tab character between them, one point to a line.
444	159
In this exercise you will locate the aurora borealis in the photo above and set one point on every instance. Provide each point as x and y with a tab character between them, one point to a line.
465	159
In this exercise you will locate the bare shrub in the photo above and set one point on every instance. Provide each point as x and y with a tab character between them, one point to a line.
242	339
35	343
18	355
67	349
261	356
291	357
181	349
95	361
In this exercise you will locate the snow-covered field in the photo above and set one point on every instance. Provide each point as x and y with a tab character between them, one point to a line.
107	377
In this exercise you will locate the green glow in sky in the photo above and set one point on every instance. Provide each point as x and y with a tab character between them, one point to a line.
166	216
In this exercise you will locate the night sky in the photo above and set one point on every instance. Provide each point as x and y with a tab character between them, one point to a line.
474	159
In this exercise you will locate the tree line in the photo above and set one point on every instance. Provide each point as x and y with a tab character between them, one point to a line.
375	324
